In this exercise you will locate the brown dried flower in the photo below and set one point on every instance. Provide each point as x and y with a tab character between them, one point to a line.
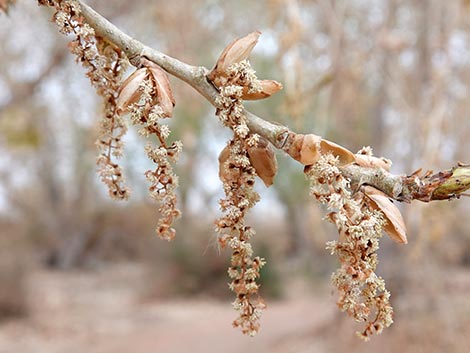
147	96
362	293
261	157
238	176
113	126
104	64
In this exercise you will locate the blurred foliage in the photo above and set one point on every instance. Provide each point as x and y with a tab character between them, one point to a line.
19	130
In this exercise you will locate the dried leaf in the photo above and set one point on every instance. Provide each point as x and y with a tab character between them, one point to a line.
395	226
268	88
129	92
236	51
164	93
372	162
263	159
345	156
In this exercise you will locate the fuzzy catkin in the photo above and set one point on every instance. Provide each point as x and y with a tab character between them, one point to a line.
238	182
104	64
362	292
147	114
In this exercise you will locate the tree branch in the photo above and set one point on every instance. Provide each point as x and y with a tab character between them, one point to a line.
195	76
443	185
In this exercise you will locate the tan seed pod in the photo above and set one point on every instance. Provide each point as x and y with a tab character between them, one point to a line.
372	162
236	51
164	93
268	88
129	92
345	156
263	159
395	226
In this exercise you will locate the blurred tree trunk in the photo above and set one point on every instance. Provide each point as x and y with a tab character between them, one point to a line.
378	116
296	219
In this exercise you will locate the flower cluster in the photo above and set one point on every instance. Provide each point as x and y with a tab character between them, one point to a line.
112	125
362	292
148	103
239	77
238	177
146	95
104	64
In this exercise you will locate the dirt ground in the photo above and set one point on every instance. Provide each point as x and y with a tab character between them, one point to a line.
105	312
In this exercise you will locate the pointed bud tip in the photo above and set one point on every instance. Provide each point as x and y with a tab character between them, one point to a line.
238	50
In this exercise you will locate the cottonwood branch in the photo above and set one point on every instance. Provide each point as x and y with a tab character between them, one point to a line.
448	184
445	185
195	76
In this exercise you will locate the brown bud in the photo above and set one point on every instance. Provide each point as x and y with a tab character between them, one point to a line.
164	93
372	162
129	92
344	155
395	226
305	148
263	159
268	88
236	51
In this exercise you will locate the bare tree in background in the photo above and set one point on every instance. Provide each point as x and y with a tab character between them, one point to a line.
356	188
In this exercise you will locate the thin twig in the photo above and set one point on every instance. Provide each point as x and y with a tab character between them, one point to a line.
443	185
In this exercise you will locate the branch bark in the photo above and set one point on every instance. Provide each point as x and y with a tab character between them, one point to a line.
448	184
195	76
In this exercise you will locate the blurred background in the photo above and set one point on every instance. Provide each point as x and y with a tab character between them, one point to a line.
81	273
